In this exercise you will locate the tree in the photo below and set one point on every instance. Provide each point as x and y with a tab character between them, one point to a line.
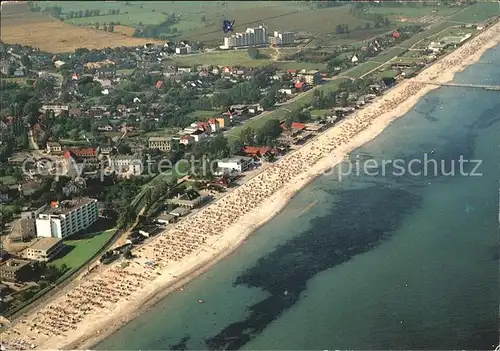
25	60
252	52
203	18
111	28
268	101
247	136
31	110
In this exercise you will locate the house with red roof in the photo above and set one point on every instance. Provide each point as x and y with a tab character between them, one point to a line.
226	69
186	139
300	86
159	84
82	154
292	72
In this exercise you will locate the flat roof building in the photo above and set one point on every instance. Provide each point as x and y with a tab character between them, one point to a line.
239	164
179	212
16	270
60	220
160	143
44	249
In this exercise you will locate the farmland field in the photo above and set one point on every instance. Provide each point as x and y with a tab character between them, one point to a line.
478	12
201	20
21	26
413	12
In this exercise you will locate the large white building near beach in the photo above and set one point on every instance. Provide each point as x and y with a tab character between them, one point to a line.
65	218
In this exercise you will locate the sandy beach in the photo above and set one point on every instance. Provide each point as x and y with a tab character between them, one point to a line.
101	303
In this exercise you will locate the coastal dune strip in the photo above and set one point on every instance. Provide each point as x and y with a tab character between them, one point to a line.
101	304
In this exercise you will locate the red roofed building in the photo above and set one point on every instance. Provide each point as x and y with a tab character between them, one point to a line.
255	150
204	126
88	154
292	71
300	86
226	69
295	126
159	84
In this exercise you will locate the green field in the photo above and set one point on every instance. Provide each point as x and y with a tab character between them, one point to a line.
222	58
8	180
200	115
479	12
362	69
299	65
81	250
414	11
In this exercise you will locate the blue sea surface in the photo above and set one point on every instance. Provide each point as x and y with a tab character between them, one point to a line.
369	262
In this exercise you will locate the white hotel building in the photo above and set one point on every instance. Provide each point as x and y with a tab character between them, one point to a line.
60	220
251	37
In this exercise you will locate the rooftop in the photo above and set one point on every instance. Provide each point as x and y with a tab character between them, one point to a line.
160	139
179	211
44	244
14	264
63	207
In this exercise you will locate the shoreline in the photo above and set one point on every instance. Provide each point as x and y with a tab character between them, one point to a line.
366	125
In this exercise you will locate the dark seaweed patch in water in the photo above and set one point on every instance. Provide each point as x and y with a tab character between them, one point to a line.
181	345
363	219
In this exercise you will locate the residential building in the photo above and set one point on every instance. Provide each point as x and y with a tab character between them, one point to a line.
239	109
186	140
57	109
53	147
251	37
283	38
160	143
44	249
240	163
181	51
132	164
166	218
198	135
16	270
214	125
189	199
224	121
179	212
60	220
312	77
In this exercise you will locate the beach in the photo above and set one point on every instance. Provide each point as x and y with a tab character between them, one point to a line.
101	304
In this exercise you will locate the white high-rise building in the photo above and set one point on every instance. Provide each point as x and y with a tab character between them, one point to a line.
60	220
251	37
282	38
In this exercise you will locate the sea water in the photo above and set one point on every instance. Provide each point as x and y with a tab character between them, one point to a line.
368	262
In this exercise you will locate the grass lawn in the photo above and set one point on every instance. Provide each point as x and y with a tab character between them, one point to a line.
300	65
221	58
389	54
388	73
319	113
8	180
78	251
361	69
125	71
478	12
201	115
